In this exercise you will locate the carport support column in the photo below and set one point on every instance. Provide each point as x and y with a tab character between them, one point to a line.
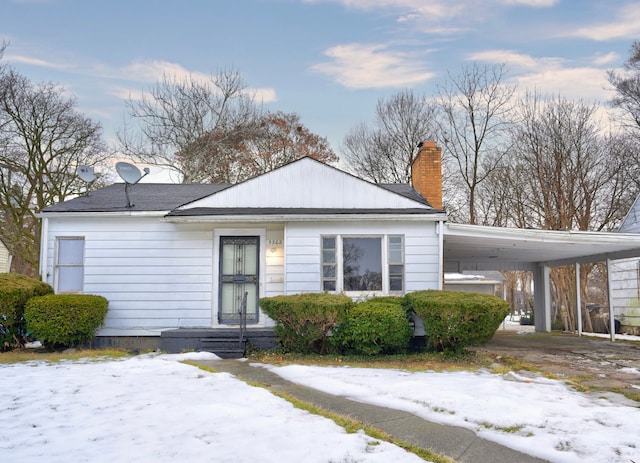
578	300
542	298
612	319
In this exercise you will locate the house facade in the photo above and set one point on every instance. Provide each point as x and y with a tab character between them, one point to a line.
625	279
187	256
5	258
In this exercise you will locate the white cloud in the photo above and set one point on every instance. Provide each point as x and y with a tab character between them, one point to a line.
33	61
626	27
551	75
359	66
433	8
512	58
603	60
532	3
574	83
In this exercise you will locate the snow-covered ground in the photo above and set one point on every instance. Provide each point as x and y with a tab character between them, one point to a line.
152	408
156	409
529	413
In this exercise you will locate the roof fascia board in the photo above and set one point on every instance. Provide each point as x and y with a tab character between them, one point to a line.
98	214
594	258
306	218
542	236
479	265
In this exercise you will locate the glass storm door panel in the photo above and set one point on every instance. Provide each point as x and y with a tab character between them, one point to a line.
239	257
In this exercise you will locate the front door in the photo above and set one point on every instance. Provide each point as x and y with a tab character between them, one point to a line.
239	271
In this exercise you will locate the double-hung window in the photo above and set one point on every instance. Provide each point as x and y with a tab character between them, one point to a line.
363	263
69	265
395	259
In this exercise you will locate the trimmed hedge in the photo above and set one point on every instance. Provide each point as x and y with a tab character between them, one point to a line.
304	321
15	291
453	320
65	319
373	327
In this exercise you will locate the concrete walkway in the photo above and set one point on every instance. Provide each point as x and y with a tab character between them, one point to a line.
457	443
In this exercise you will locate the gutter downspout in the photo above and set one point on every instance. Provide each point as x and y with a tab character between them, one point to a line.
578	300
612	321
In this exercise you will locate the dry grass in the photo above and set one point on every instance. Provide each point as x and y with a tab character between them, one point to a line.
423	361
26	355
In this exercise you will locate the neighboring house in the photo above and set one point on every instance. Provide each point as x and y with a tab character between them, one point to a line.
183	256
5	258
625	279
486	282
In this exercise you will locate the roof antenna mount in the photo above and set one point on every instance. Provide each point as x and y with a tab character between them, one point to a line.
88	175
131	175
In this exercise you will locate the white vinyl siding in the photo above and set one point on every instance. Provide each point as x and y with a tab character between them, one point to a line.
155	275
297	185
624	284
303	251
4	258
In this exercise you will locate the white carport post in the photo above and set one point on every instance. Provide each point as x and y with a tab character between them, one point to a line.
542	298
612	321
578	300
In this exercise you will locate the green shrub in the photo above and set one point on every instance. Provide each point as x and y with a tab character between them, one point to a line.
65	319
15	291
453	320
373	327
304	321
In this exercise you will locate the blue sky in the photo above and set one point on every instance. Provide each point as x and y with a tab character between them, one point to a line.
327	60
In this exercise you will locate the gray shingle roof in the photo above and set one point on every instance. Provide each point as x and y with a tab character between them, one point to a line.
169	196
143	196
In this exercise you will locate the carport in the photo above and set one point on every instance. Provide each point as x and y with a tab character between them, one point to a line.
475	247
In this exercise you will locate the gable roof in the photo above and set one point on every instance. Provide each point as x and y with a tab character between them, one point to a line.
302	187
311	185
631	223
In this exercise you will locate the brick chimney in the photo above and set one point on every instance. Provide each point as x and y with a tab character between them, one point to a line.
426	173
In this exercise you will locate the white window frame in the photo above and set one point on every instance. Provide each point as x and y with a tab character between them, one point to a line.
400	262
58	266
385	263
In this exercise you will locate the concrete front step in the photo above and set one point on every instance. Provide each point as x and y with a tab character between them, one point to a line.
191	339
224	347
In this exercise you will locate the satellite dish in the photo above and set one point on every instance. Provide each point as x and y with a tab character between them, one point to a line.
131	175
86	173
128	172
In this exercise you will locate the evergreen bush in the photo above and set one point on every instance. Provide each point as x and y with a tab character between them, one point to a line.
304	321
15	291
453	320
65	319
377	326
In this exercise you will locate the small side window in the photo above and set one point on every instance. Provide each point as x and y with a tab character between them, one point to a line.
396	263
329	276
69	265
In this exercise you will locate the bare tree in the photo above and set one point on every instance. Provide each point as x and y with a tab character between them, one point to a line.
569	174
575	176
476	116
43	139
274	140
281	139
627	87
204	122
384	153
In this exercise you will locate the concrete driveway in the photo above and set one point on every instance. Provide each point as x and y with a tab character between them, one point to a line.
591	362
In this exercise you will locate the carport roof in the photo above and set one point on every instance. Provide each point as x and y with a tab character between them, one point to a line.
474	247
